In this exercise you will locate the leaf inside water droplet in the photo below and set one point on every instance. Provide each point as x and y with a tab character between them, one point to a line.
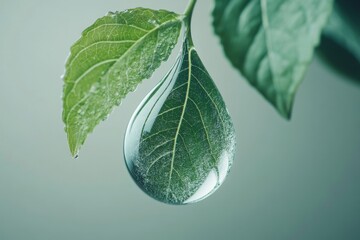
180	142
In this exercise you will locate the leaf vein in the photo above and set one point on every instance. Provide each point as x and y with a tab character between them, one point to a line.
156	160
182	116
169	110
206	132
212	101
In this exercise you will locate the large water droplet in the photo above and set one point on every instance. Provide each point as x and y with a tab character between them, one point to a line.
180	142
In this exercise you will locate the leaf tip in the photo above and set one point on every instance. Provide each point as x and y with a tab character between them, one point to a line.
73	146
286	110
284	105
74	152
287	115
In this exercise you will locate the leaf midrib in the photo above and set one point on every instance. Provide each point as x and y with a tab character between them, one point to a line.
265	25
182	115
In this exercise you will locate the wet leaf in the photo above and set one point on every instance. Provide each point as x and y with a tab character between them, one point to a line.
180	143
271	42
109	60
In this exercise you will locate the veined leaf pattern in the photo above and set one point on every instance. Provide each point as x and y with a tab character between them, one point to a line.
271	42
180	143
109	60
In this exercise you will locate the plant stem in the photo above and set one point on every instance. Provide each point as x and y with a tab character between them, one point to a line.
189	9
187	20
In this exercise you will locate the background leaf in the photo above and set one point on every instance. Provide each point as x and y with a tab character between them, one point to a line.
340	45
180	143
111	58
271	42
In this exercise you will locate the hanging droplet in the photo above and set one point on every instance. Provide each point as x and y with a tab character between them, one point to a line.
180	142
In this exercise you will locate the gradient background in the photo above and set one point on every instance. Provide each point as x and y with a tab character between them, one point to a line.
290	180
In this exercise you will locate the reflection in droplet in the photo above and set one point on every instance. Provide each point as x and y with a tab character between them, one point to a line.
180	142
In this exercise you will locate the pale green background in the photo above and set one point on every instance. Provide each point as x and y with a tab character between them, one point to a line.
290	180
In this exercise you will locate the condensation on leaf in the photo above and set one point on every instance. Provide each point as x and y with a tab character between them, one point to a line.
109	60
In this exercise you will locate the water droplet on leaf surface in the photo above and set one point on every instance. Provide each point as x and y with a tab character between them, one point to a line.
180	142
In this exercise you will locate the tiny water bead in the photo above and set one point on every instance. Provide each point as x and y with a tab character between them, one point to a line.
180	142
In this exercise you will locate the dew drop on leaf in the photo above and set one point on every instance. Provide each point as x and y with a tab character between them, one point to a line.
180	142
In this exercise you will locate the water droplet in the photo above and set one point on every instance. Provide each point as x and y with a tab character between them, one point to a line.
180	142
154	22
93	88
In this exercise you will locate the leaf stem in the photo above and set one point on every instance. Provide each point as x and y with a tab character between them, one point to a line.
187	20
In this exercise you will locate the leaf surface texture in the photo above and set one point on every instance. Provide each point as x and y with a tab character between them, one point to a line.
109	60
271	42
180	143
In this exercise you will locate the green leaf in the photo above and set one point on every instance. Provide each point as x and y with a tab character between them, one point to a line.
180	142
271	42
109	60
341	39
